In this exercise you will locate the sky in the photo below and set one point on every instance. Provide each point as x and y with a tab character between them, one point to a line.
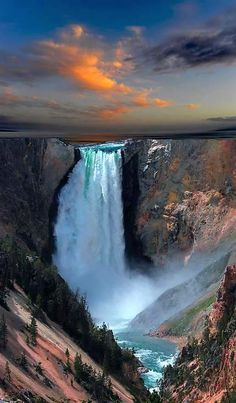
77	67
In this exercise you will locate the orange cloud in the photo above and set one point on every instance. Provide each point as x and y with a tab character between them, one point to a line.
162	103
192	106
141	99
77	30
84	66
117	64
113	112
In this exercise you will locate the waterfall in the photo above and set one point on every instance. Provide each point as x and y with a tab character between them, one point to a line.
90	237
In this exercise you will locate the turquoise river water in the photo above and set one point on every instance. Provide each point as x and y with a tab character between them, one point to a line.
155	354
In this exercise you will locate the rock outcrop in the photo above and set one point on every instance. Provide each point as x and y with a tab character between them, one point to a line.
187	196
31	171
205	370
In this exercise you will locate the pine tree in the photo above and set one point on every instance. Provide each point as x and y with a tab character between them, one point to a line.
67	353
33	331
78	366
38	368
3	332
23	361
7	374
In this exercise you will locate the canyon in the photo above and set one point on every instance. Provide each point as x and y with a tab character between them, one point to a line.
179	218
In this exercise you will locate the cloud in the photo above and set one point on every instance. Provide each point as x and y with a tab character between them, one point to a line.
12	99
110	113
77	30
8	97
224	119
192	106
142	99
85	65
213	44
162	103
136	29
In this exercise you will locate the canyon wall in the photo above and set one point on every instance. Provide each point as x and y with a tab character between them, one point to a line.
186	200
205	370
179	195
31	171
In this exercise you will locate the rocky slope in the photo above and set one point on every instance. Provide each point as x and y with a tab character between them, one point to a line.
53	383
189	322
186	200
205	371
175	299
31	171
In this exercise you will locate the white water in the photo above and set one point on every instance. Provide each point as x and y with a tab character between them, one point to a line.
90	238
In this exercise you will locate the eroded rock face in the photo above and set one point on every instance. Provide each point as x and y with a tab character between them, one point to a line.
187	196
30	172
205	370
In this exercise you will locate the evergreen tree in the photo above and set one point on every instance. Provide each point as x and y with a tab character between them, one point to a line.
67	353
33	331
23	361
38	368
3	332
78	366
7	374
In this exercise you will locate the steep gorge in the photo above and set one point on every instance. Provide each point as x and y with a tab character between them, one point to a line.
179	204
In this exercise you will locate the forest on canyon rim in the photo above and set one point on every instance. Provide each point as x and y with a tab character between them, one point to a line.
177	208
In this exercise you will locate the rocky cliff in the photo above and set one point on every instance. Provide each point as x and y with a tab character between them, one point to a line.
205	371
31	171
186	200
179	195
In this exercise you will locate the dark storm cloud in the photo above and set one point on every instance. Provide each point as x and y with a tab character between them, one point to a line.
212	45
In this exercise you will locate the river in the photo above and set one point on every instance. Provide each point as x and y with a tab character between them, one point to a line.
154	353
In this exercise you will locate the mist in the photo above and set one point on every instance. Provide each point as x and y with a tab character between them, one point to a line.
90	244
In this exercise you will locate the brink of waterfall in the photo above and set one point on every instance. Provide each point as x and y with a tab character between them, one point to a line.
90	236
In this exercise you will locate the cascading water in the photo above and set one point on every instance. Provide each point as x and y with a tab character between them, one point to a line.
90	240
90	252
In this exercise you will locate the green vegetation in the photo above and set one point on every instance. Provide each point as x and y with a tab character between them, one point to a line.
153	398
206	353
33	331
3	333
180	325
39	369
4	280
7	374
22	361
48	292
229	397
97	384
67	367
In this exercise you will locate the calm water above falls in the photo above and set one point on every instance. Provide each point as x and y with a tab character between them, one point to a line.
155	354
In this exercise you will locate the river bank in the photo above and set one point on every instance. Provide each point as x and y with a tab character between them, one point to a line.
154	354
180	341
